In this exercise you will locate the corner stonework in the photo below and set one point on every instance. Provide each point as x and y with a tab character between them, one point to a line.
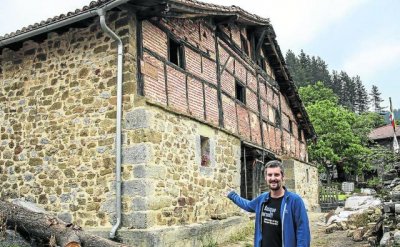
138	183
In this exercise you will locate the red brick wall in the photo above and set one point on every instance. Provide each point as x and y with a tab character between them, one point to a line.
211	104
154	84
243	119
207	39
251	100
278	138
223	56
228	83
251	81
235	32
263	91
240	71
229	108
193	62
209	70
266	135
255	128
154	39
272	138
176	85
195	92
264	109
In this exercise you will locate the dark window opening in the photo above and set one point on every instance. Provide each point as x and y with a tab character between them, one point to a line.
175	54
205	151
245	47
240	92
299	133
290	126
277	118
261	63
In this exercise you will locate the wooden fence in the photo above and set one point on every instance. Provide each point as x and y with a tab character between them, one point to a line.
329	198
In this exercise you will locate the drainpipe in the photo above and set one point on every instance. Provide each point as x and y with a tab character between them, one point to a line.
106	29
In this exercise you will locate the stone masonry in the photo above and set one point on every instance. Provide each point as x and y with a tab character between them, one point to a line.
57	117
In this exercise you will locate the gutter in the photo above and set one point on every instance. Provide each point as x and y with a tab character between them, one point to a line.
61	23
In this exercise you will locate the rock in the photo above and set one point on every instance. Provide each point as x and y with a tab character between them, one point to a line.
361	202
385	240
368	191
358	234
372	241
396	237
350	233
331	228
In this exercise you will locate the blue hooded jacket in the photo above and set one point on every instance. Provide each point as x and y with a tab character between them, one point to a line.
295	226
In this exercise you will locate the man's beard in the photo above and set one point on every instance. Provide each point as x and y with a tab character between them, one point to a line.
277	187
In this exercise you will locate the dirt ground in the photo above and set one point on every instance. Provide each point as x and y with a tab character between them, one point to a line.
318	235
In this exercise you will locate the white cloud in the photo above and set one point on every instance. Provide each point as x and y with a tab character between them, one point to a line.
373	57
297	22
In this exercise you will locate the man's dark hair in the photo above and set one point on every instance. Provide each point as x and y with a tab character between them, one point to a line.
273	164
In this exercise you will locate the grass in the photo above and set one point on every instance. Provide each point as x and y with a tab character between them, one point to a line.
343	197
245	234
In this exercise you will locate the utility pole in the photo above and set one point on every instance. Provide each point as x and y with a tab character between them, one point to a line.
396	147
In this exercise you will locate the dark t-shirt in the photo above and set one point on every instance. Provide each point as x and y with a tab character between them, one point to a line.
271	223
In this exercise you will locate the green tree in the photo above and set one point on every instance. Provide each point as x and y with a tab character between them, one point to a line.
311	94
340	139
361	96
376	99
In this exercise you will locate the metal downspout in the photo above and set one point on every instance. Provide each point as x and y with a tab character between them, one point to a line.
106	29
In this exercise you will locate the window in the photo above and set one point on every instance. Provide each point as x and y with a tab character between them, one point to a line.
245	47
261	63
299	132
205	151
290	126
240	92
277	118
175	53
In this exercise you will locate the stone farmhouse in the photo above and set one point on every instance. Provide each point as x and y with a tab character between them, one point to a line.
137	115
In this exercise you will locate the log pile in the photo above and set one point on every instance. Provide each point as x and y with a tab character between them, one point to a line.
46	229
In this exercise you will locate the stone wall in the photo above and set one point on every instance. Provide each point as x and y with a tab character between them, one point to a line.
164	181
57	114
302	178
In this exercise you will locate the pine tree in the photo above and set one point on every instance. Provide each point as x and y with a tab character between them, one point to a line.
346	96
361	96
336	83
319	71
376	99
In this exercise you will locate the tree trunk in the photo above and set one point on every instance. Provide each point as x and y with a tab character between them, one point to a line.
48	228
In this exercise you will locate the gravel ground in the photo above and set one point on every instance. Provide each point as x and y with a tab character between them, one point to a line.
318	235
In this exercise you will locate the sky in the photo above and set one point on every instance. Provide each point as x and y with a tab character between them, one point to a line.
360	37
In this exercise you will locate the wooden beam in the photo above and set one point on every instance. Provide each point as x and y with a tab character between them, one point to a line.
260	42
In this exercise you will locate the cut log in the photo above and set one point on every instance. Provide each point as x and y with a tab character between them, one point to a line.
43	226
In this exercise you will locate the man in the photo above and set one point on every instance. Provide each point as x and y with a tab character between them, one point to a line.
281	217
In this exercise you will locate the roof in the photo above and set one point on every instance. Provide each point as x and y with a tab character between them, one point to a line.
383	132
208	9
183	9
